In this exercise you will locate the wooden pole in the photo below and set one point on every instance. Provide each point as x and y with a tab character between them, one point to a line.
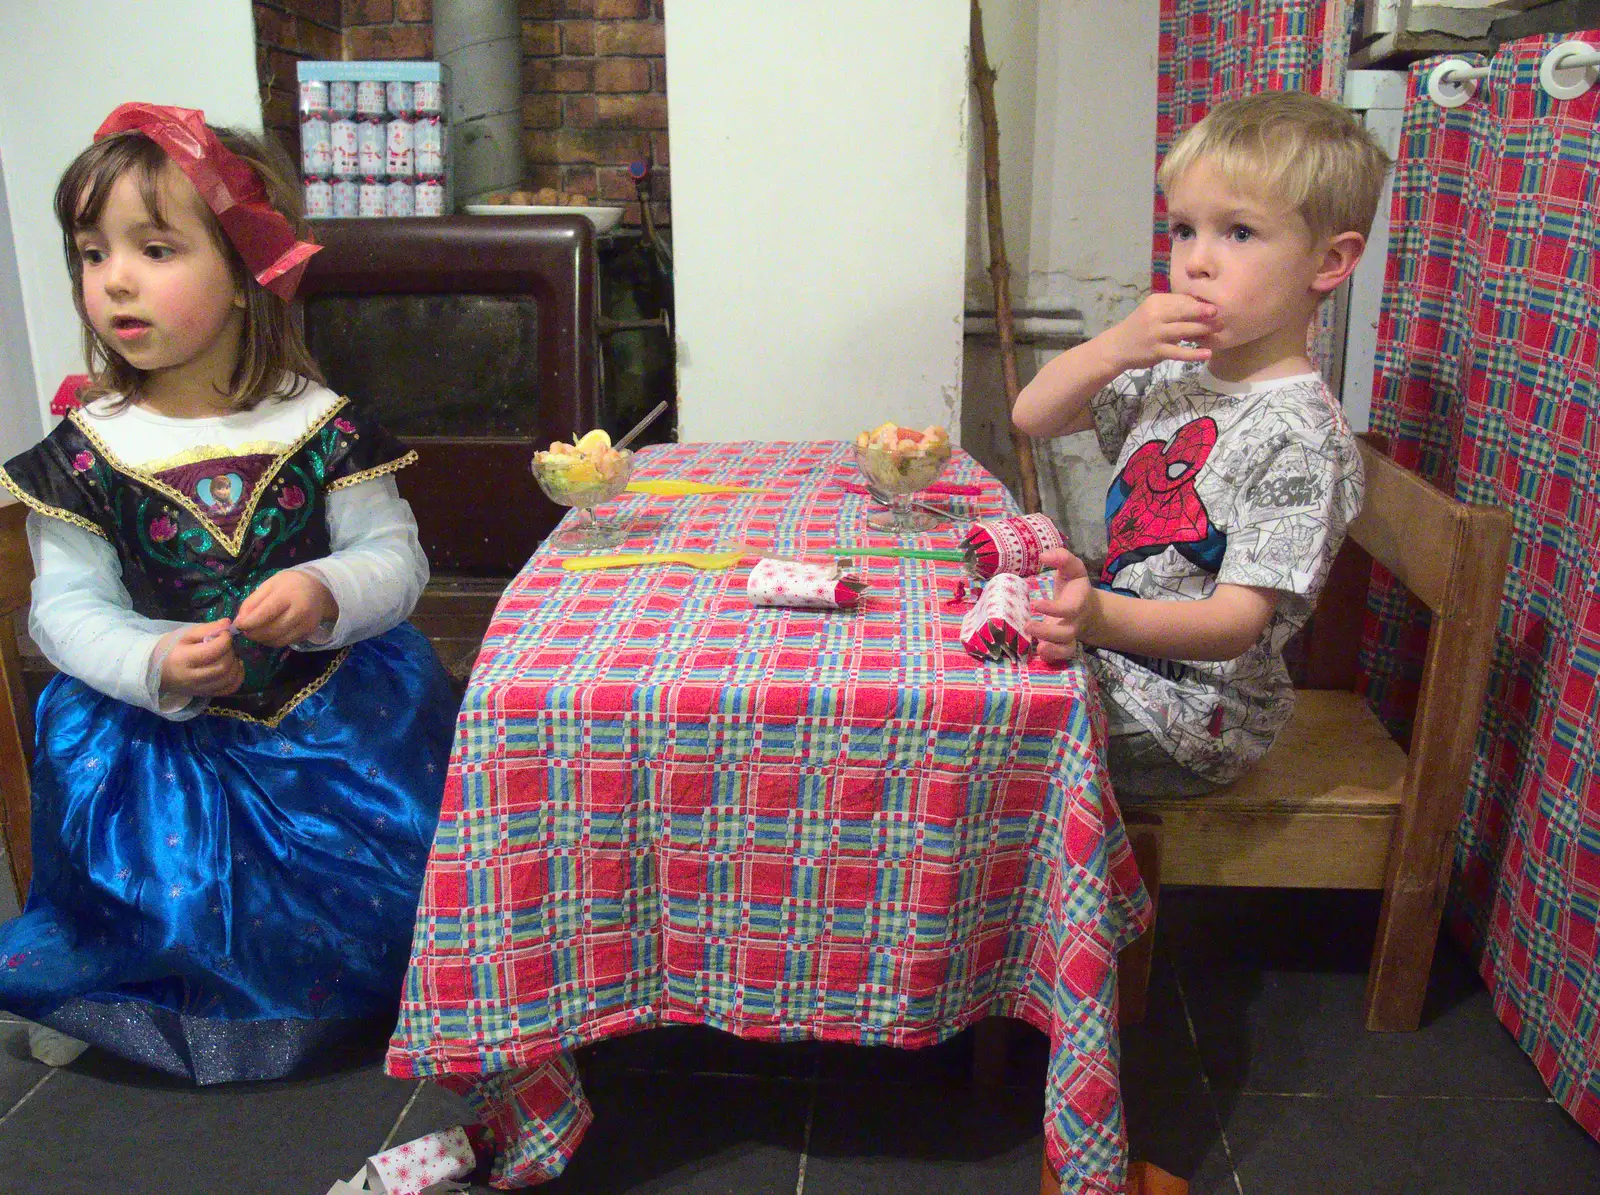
983	76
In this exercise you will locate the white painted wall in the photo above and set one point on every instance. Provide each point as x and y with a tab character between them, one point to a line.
66	64
1076	98
1094	156
819	166
18	412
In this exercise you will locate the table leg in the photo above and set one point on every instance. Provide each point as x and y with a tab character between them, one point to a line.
1048	1183
1133	982
1133	964
991	1042
537	1116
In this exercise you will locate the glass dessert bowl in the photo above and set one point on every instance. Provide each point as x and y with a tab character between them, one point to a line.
900	462
583	475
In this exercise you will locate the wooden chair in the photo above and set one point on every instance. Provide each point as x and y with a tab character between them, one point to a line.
16	712
1337	803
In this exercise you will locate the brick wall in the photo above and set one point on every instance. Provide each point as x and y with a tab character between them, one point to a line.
286	32
594	80
594	98
388	29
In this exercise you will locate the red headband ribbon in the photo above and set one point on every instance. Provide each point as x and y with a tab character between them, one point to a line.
229	186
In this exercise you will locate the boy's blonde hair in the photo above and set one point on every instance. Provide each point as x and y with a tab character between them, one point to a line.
1304	151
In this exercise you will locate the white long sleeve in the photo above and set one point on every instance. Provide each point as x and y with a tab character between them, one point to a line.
377	569
82	619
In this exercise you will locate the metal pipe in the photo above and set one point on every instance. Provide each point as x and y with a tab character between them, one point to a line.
1030	329
1047	306
481	42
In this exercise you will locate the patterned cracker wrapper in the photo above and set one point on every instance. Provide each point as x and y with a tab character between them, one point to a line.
812	586
1011	545
995	627
431	1164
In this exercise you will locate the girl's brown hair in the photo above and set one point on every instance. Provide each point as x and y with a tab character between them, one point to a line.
271	350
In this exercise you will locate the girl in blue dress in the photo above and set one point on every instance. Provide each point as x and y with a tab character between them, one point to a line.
239	766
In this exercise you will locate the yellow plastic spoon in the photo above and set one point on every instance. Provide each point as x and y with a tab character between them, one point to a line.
703	560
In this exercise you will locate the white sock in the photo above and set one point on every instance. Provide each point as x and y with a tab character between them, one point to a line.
52	1047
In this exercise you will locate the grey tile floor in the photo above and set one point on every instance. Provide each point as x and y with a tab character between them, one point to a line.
1251	1075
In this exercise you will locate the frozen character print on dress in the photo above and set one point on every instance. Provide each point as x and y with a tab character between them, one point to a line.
217	493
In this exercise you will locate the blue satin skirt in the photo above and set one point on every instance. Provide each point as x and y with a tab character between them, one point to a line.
224	900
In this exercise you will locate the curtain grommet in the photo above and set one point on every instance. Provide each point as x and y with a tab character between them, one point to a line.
1454	81
1569	69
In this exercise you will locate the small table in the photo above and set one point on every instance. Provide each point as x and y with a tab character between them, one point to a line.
668	806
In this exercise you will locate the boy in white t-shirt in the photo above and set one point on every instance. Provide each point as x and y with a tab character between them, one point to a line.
1237	474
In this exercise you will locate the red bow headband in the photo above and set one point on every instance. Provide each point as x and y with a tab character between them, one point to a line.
229	186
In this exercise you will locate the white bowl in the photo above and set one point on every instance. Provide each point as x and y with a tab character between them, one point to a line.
604	219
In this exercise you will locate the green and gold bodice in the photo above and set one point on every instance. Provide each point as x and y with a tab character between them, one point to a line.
197	535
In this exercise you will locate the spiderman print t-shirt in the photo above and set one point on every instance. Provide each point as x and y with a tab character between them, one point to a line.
1218	483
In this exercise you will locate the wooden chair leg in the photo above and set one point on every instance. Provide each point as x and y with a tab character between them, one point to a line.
1133	964
16	731
1450	701
1402	957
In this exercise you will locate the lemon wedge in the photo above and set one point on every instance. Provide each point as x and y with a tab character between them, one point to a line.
594	441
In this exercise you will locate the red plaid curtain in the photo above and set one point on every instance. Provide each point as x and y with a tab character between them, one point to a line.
1215	50
1485	383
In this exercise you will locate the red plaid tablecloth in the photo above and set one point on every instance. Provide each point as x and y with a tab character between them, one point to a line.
666	805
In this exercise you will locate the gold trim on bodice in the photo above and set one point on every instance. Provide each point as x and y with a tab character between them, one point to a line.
288	707
231	543
383	470
213	452
54	512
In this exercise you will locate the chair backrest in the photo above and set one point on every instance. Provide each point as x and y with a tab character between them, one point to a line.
1428	540
475	339
1442	550
16	717
1452	556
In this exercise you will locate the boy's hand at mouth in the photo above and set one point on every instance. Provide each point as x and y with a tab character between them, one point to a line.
1165	327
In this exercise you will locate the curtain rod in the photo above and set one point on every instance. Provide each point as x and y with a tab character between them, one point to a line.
1566	72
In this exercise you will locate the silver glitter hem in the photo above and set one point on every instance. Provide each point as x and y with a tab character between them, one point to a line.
206	1050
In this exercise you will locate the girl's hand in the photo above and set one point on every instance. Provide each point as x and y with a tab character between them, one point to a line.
1067	615
286	609
1156	329
201	662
